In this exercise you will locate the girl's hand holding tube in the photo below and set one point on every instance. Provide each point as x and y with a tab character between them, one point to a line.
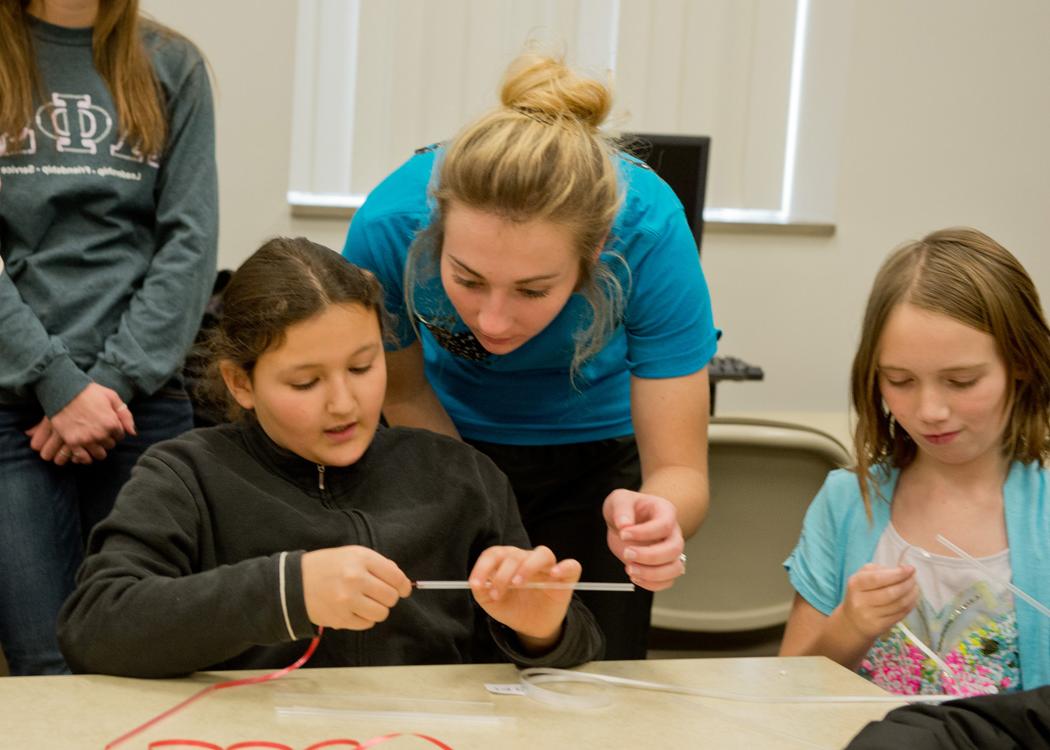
536	615
877	598
351	587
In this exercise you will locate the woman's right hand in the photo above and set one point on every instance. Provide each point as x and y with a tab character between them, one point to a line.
351	588
643	533
877	598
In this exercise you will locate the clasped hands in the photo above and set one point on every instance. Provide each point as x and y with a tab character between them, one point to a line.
85	429
355	587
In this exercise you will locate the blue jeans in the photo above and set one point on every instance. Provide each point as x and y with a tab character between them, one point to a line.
46	513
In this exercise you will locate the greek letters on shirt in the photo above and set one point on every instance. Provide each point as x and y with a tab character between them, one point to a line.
74	124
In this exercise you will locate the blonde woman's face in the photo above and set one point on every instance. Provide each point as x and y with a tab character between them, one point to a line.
945	383
507	280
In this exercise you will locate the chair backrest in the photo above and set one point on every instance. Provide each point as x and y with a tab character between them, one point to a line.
763	475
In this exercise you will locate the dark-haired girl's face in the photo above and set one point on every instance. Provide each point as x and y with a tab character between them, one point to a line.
507	280
320	392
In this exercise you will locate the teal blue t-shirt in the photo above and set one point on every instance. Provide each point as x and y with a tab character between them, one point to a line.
527	397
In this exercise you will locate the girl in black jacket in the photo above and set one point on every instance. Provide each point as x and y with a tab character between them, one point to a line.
230	544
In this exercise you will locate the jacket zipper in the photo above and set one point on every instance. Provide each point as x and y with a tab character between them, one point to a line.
367	540
356	516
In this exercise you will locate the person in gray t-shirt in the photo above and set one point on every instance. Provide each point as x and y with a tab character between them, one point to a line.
108	234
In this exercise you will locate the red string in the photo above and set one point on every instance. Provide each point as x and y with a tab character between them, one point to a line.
211	689
316	746
259	743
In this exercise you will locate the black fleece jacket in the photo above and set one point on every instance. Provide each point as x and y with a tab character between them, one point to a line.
187	572
1009	721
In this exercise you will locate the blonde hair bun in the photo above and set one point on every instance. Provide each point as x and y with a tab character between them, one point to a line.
544	87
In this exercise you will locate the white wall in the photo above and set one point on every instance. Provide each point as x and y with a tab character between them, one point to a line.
250	48
947	122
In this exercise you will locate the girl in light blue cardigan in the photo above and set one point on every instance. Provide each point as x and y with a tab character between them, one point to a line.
951	385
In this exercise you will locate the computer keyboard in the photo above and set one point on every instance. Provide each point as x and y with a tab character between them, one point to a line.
733	368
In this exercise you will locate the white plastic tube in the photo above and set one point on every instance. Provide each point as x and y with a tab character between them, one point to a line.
1039	606
578	586
533	677
397	708
919	644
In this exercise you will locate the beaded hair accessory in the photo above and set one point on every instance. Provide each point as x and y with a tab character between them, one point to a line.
463	344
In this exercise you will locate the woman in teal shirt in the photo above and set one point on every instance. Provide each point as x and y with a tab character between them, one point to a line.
550	310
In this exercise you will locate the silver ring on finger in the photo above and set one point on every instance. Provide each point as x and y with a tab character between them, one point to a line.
683	559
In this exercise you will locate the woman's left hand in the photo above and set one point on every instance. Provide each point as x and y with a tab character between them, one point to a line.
643	532
45	440
535	614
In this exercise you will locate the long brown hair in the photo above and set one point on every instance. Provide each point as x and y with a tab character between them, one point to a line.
284	282
968	276
539	156
120	58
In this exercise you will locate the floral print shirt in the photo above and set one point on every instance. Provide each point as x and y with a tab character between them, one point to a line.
968	621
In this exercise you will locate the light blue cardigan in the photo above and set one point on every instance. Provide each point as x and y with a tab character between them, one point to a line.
837	539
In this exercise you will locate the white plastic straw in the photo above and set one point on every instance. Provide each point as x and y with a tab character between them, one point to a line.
993	576
387	708
534	676
941	664
578	586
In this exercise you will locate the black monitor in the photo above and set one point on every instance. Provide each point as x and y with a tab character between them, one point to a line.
681	160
